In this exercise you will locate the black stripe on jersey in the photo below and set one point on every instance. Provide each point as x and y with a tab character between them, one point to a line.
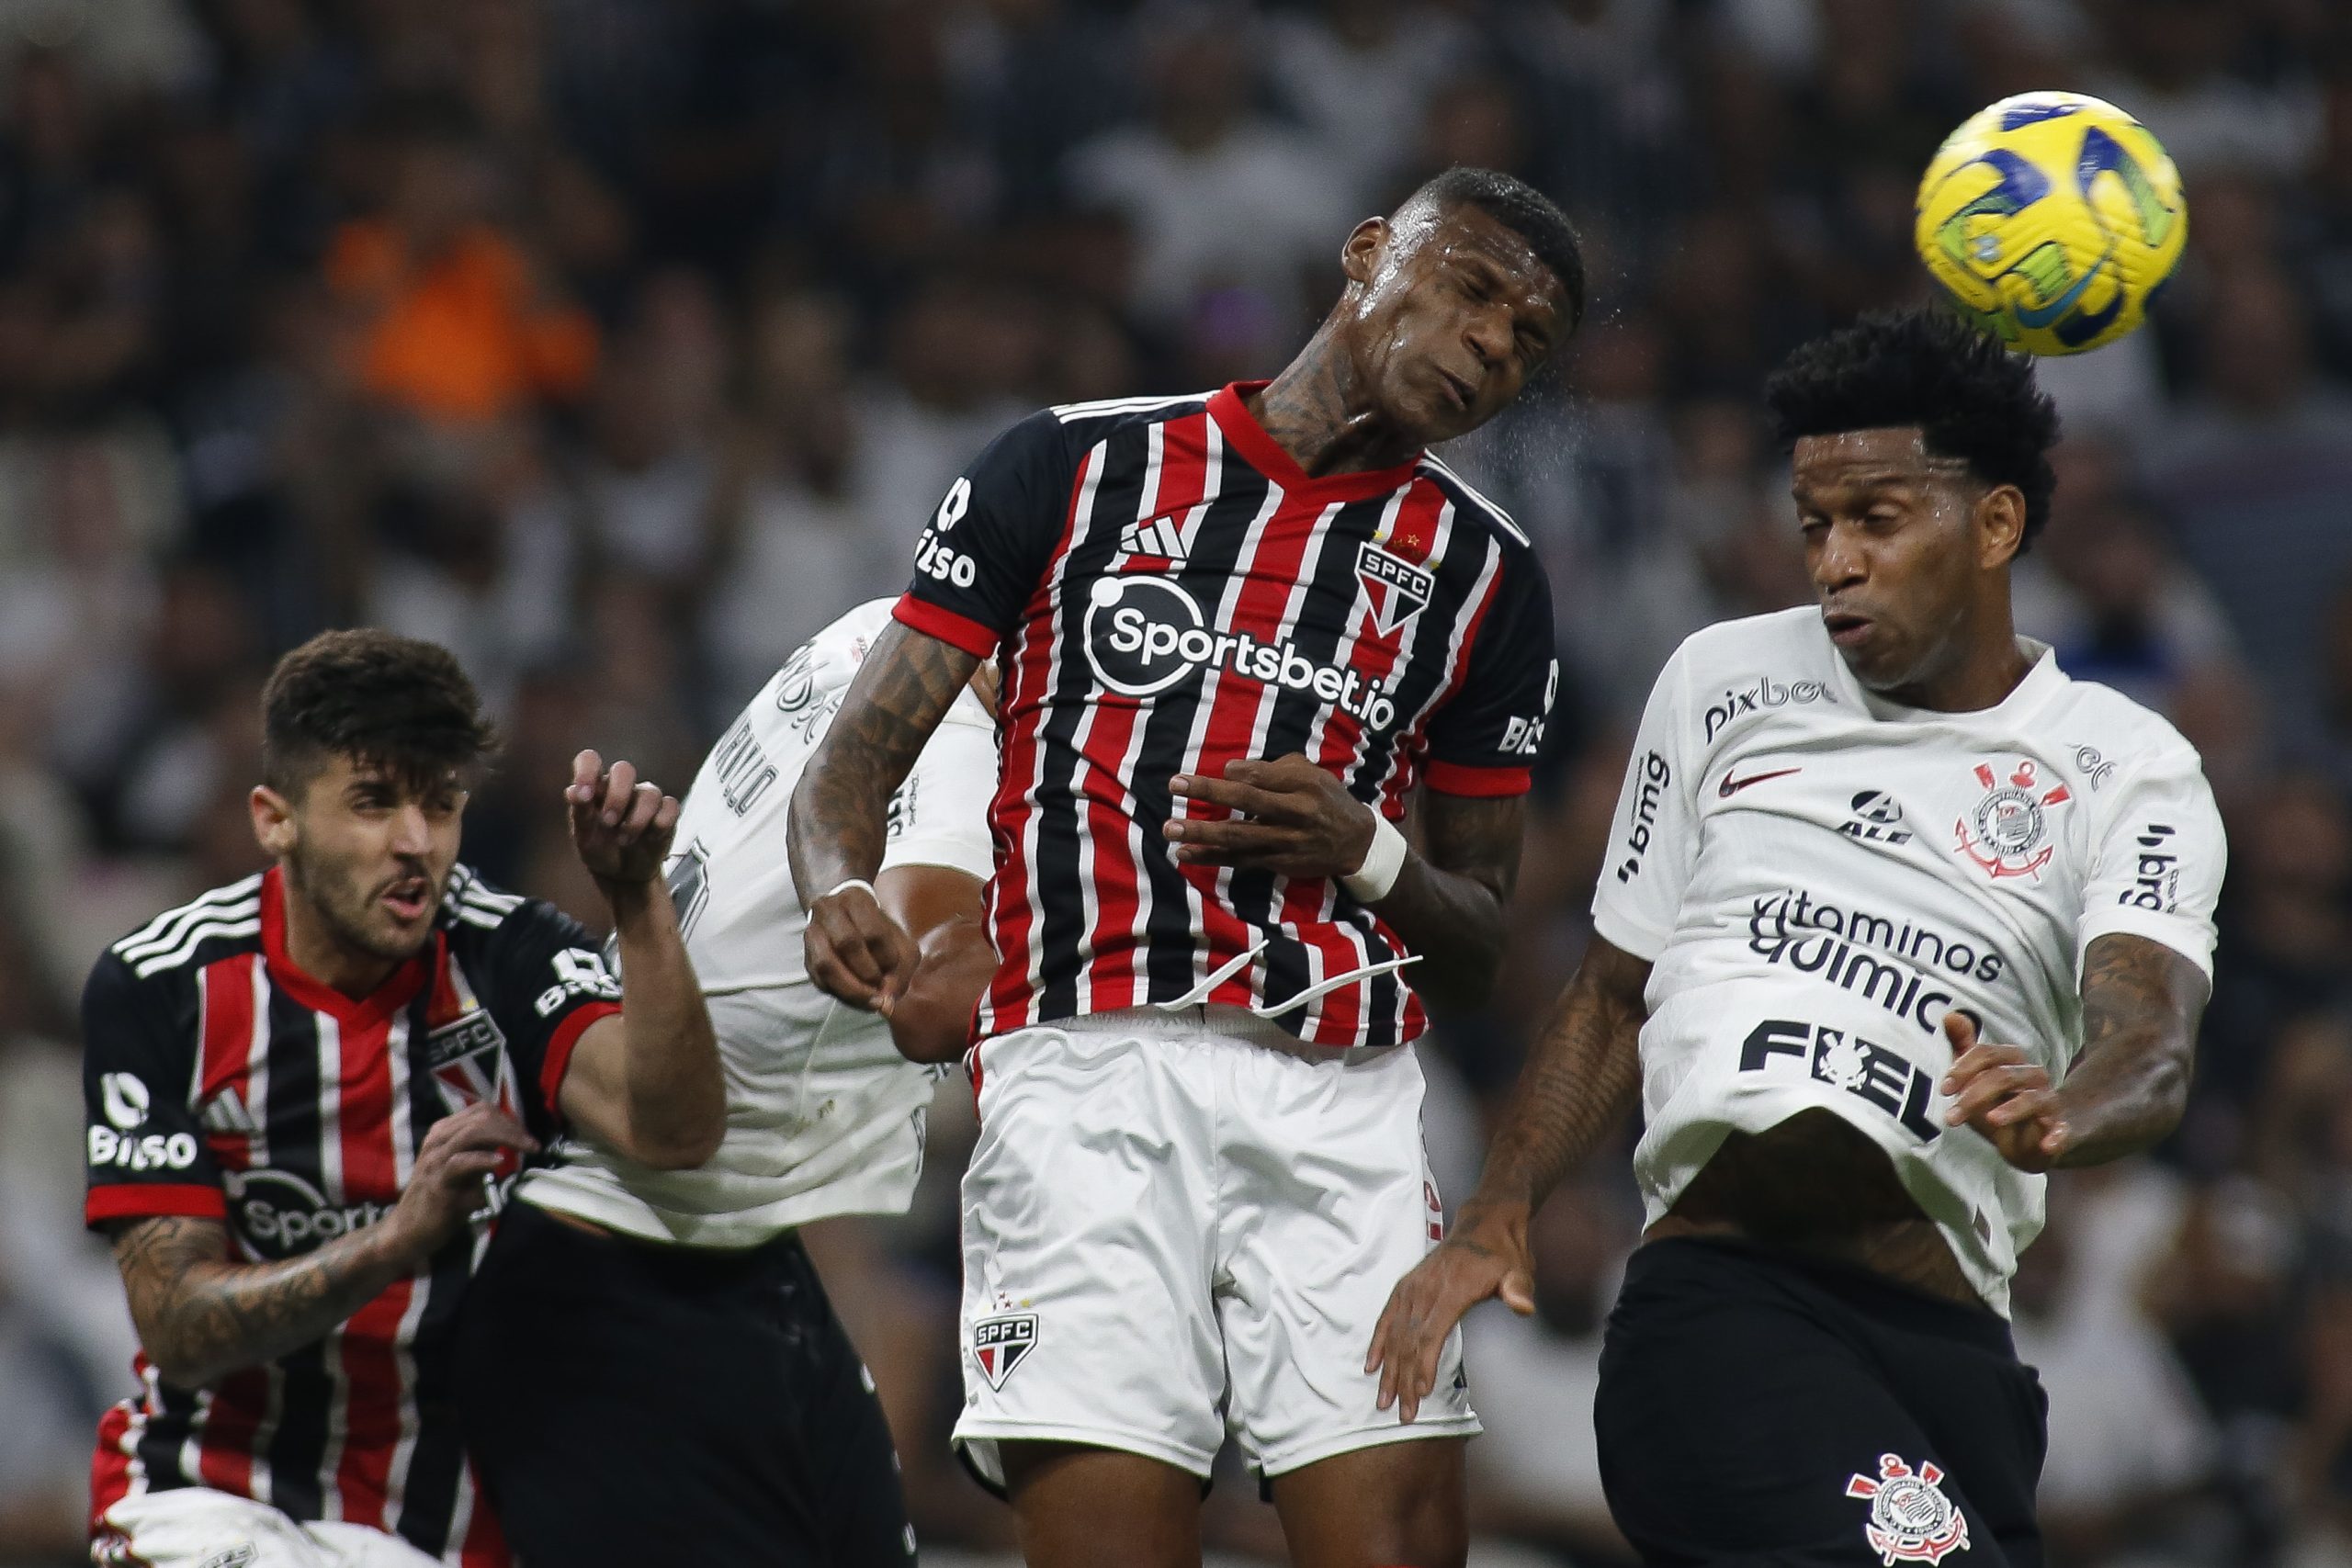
1059	816
1168	726
296	1448
1469	547
426	1499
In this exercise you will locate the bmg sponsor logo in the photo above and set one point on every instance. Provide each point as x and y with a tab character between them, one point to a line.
2156	880
1144	635
1652	778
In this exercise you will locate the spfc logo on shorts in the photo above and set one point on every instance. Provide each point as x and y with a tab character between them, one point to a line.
2011	823
1000	1344
1396	590
1911	1520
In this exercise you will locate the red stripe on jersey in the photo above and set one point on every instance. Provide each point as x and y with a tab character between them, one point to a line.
1402	779
110	1465
366	1342
1108	730
232	1420
559	1047
961	631
447	1004
133	1200
1456	778
1012	911
225	1047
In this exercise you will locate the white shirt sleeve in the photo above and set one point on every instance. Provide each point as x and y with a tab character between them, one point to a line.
1654	840
2157	868
940	816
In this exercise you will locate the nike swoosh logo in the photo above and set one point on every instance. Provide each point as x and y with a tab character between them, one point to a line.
1730	786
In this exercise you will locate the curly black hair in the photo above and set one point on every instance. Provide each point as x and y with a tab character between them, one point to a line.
1525	212
1971	398
383	701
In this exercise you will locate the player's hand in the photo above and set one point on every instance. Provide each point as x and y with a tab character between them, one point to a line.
1485	1255
445	1184
1996	1090
856	952
1288	816
621	826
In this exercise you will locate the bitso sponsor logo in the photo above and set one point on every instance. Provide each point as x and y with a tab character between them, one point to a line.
2011	822
1144	635
577	973
1766	694
154	1152
1911	1520
125	1100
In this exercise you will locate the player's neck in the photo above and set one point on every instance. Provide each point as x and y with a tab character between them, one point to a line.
312	944
1310	413
1988	666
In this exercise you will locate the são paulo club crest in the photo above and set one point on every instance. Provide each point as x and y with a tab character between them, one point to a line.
1911	1520
2010	831
1002	1343
1395	590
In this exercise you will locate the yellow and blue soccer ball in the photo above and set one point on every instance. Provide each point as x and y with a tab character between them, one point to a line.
2052	217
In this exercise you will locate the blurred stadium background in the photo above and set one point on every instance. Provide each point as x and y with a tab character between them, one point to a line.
621	344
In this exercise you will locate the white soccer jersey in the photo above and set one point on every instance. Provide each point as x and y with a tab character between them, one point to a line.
824	1116
1818	876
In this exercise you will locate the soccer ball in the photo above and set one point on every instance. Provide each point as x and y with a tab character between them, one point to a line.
2052	217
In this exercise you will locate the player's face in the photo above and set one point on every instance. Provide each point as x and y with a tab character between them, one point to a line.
369	852
1452	315
1898	546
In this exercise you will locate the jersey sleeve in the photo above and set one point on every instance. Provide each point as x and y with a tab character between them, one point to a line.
143	1144
940	816
544	984
980	559
1484	740
1654	839
2156	870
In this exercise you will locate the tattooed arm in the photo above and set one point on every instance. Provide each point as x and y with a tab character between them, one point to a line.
202	1315
1579	1083
2129	1083
839	818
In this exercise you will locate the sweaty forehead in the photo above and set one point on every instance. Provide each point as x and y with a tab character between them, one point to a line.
1439	234
1851	457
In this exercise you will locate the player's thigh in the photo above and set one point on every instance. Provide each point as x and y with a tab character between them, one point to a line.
849	1469
1738	1425
1080	1507
1326	1202
1398	1503
1088	1227
193	1527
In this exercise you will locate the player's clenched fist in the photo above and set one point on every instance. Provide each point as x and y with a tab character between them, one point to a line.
856	952
444	1186
1287	815
1996	1090
621	824
1485	1255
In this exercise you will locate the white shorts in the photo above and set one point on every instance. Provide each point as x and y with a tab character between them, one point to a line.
193	1526
1177	1227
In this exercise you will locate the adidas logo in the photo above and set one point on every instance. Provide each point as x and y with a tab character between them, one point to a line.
1162	537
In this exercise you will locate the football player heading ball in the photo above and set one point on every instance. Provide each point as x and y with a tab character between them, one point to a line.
1899	918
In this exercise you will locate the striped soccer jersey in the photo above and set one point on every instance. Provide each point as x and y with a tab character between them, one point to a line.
1167	592
222	1082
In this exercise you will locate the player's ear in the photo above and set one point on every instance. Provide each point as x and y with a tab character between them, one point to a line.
274	827
2000	526
1360	257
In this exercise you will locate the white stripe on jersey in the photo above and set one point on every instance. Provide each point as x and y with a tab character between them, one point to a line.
1106	408
421	1281
331	1183
162	931
195	937
1501	518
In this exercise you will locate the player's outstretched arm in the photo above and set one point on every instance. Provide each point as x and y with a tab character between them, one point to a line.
840	812
1579	1083
200	1315
646	1084
2129	1084
942	910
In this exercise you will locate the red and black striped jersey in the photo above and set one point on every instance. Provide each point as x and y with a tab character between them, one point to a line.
220	1081
1168	591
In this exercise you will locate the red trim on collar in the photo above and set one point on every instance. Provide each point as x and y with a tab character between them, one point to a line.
1263	452
397	991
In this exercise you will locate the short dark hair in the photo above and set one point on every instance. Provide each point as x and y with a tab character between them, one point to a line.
1971	398
383	701
1526	213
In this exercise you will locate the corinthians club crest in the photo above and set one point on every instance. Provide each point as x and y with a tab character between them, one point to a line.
1911	1520
2011	836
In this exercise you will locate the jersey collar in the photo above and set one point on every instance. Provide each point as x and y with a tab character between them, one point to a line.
1263	452
380	1004
2043	679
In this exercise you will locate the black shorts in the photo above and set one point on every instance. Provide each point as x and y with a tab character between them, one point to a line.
628	1404
1757	1409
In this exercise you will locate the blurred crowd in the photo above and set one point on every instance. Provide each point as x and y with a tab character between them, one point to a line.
619	345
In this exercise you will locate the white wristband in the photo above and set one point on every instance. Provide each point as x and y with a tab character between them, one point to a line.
1371	881
848	882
